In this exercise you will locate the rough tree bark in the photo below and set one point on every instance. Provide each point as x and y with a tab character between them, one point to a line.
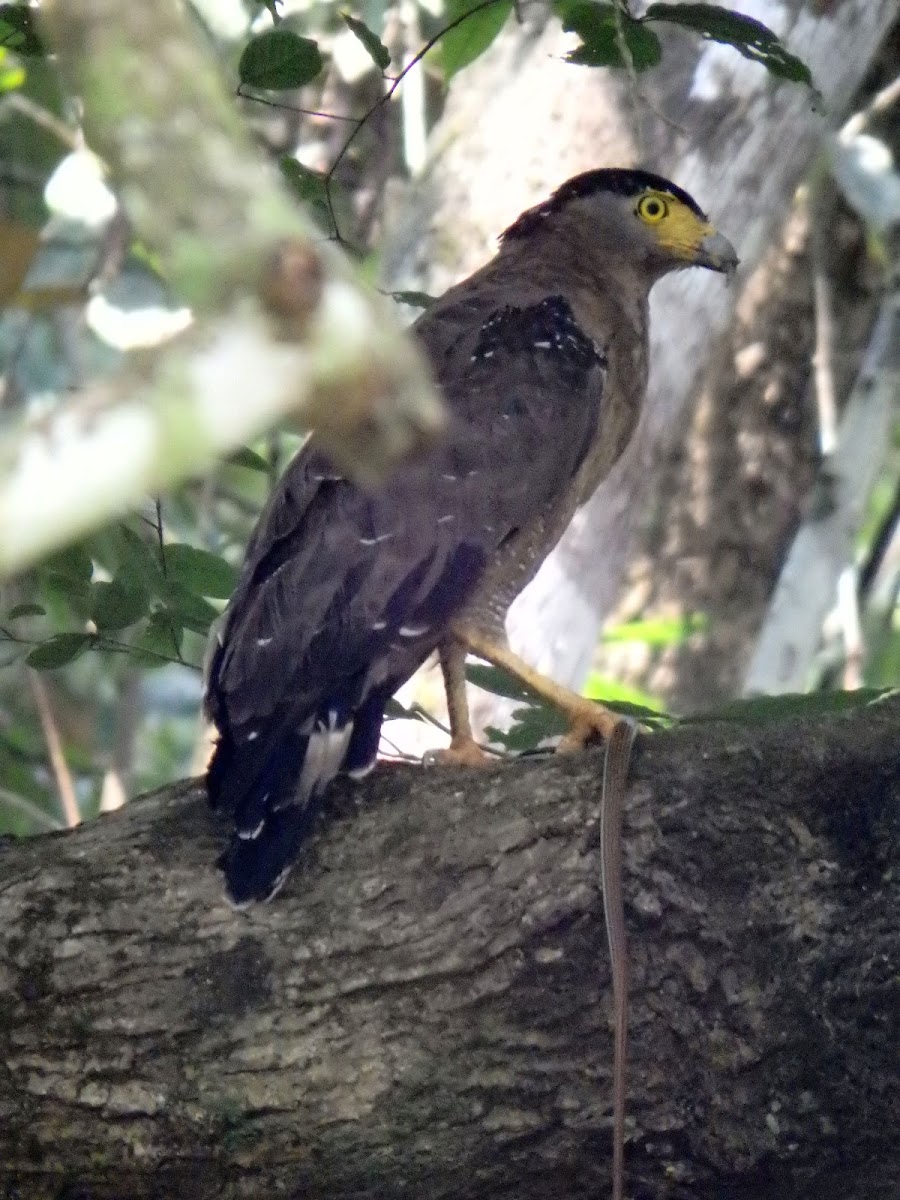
425	1011
741	143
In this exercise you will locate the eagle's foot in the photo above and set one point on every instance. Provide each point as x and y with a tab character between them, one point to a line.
462	752
590	722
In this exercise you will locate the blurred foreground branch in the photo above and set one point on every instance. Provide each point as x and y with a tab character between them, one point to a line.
284	329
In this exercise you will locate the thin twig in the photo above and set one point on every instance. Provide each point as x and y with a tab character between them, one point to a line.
65	786
294	108
44	820
636	97
27	107
418	711
827	410
620	15
395	753
383	99
158	526
161	541
101	642
823	354
115	647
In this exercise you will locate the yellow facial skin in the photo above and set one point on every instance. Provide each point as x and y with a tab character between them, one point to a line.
676	227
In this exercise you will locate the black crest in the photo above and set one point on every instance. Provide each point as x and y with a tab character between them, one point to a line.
616	180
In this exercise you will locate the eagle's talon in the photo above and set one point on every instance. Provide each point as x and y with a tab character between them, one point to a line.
580	735
462	752
591	723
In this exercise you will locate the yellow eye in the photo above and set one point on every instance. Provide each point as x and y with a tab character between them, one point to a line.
652	209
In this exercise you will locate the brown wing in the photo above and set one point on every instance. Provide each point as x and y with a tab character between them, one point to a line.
345	592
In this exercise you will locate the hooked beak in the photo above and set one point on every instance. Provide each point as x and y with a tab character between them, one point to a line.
717	253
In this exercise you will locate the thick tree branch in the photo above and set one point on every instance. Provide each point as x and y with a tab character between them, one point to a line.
425	1010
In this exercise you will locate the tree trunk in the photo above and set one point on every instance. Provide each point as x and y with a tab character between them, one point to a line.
425	1011
520	122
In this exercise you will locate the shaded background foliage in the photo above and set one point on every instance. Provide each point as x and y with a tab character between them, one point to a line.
101	645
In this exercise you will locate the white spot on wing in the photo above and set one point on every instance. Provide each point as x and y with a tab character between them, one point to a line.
250	835
252	735
263	641
324	754
413	631
383	537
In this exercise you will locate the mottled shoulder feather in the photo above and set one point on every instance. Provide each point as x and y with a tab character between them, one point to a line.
547	329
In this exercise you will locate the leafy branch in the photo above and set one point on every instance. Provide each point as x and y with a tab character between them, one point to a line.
280	59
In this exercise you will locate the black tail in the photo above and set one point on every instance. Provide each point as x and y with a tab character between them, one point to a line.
272	791
256	868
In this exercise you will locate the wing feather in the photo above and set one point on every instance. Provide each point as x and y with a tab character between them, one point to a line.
330	562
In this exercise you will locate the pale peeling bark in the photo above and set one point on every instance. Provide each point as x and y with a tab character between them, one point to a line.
742	144
286	330
824	548
424	1010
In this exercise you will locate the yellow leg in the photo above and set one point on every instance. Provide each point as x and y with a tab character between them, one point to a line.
588	720
463	750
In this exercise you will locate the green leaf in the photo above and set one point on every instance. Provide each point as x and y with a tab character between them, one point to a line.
621	698
748	36
200	571
395	711
11	77
375	47
762	709
59	650
883	657
17	31
189	609
73	563
138	561
279	58
660	631
116	606
307	185
474	27
531	726
25	610
63	597
414	299
500	683
596	25
245	457
160	641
